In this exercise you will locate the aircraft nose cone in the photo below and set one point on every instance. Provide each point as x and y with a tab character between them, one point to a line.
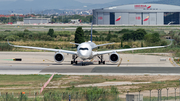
84	54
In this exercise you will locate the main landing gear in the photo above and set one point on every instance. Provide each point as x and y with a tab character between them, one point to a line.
101	59
74	57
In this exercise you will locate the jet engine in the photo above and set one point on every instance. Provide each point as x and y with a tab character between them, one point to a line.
59	57
114	57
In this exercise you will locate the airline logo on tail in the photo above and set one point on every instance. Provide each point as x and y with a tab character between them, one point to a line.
119	18
147	18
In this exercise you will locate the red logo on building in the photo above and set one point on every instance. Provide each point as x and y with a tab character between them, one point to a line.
138	18
149	7
119	18
147	18
100	18
141	6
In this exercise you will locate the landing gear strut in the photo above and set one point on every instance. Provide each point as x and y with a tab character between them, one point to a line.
83	64
74	57
101	59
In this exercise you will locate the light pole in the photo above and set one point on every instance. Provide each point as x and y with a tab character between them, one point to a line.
139	94
128	95
167	92
175	93
158	95
150	94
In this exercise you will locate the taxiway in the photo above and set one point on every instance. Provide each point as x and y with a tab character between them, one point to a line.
43	63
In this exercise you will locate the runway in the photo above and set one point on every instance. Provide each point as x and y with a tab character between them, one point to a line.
43	63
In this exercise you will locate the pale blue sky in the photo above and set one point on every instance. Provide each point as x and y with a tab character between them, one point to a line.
83	1
95	1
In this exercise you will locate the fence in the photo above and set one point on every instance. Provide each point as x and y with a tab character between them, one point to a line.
166	94
65	96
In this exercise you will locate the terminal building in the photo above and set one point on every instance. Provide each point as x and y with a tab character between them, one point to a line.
36	20
137	14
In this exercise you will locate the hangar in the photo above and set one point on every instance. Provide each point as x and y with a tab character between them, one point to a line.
137	14
36	20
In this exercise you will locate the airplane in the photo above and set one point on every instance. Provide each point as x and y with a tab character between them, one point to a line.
85	51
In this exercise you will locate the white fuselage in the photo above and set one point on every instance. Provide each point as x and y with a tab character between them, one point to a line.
84	50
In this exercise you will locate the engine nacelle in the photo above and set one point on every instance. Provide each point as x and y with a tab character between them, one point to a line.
59	57
114	57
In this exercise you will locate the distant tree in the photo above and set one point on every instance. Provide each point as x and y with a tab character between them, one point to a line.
127	36
152	39
127	46
51	32
138	34
163	43
26	30
155	37
108	37
141	44
79	35
121	43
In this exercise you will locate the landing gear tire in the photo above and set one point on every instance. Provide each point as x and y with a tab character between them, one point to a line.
76	62
83	64
101	58
74	57
103	62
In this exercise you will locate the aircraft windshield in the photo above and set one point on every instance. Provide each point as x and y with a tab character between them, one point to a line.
83	48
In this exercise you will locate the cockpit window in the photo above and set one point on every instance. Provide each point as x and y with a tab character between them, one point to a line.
83	48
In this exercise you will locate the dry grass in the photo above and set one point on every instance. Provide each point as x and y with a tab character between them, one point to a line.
86	79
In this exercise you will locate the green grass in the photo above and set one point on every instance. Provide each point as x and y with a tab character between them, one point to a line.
24	80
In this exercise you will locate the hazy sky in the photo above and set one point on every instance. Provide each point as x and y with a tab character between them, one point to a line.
95	1
83	1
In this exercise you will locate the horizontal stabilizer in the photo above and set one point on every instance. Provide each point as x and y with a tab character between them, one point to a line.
74	43
104	44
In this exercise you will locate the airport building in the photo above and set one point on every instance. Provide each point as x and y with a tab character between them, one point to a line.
36	20
137	14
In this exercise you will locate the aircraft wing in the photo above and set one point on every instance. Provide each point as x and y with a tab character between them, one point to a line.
104	44
129	49
46	49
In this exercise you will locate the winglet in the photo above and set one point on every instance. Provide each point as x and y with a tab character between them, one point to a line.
9	43
170	43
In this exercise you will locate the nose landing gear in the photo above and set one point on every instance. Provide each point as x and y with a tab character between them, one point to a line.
74	57
101	59
83	64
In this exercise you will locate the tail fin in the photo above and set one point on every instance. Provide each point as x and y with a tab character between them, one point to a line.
91	30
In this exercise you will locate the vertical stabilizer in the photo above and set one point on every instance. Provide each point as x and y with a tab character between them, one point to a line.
91	30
